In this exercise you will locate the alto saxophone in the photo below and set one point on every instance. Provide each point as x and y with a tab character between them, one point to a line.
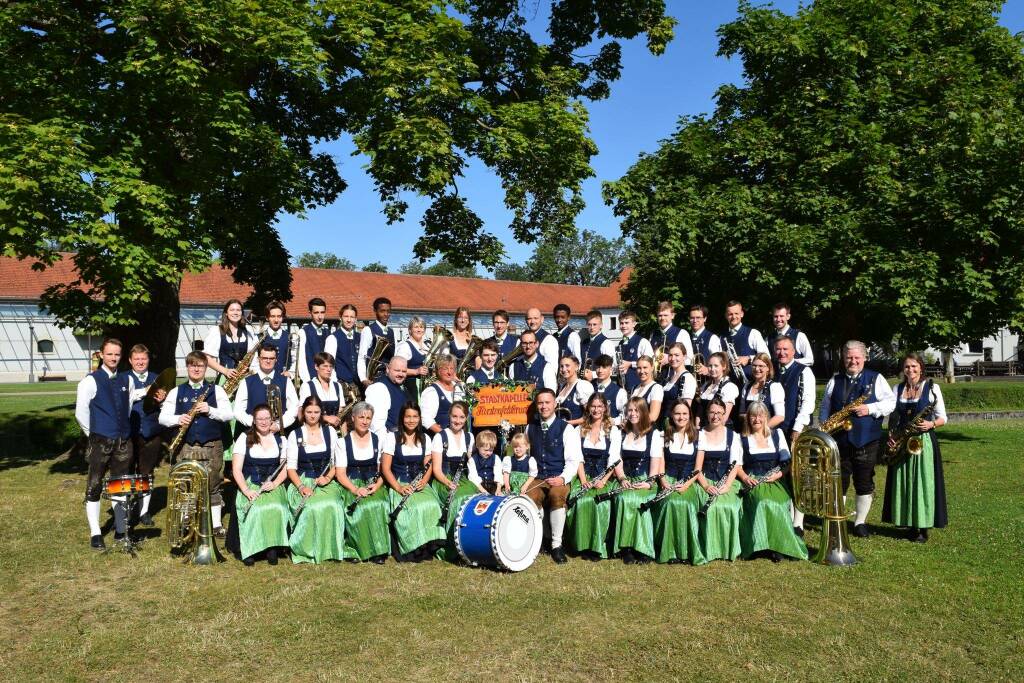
906	440
231	386
841	419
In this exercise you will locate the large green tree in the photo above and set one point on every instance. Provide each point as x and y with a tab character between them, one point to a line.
868	170
577	258
322	259
145	136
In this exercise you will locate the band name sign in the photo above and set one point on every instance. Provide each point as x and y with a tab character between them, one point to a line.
495	403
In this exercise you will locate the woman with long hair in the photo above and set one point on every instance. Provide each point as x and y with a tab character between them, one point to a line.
676	523
601	442
717	385
450	453
574	392
462	333
642	458
678	385
718	449
226	343
762	388
648	389
261	504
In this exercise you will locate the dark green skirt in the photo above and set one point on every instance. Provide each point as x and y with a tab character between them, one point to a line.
366	528
677	526
319	533
587	522
720	529
633	529
767	523
419	521
466	490
915	494
266	523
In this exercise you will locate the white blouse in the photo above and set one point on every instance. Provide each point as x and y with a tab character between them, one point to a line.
729	394
358	454
689	389
330	395
770	448
389	441
657	392
776	396
506	464
293	446
936	395
735	453
631	442
457	445
584	390
258	450
615	440
680	443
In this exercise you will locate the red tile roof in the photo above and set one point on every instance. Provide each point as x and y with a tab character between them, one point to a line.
407	292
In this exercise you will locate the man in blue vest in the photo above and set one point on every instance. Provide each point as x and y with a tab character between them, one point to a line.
279	337
312	338
103	411
387	396
505	340
147	434
744	339
203	441
780	320
631	348
798	383
858	448
343	344
532	367
569	340
378	329
597	344
704	342
254	391
487	372
555	445
668	334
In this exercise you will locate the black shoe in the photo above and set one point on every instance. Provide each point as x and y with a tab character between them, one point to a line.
558	555
924	535
249	561
379	559
775	557
96	543
628	557
119	537
799	531
146	520
642	559
861	530
220	533
272	556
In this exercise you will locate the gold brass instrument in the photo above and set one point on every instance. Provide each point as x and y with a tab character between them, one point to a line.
698	363
508	359
231	386
906	440
274	402
175	443
818	490
189	519
842	420
442	337
659	360
380	347
351	398
472	351
293	349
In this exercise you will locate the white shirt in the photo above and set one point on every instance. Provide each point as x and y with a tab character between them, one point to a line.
549	350
570	448
389	444
936	395
359	453
803	417
430	402
258	450
506	464
681	443
211	343
548	375
139	392
735	453
303	369
330	395
607	348
657	392
584	390
222	412
475	477
730	392
331	347
632	442
683	337
86	393
367	340
293	446
884	403
572	342
275	335
289	410
405	347
689	389
714	343
644	348
802	345
770	448
776	396
377	395
614	441
458	445
619	402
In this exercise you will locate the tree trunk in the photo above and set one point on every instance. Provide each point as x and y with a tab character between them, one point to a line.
947	361
157	327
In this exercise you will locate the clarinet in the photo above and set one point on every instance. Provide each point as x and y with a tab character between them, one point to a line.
352	506
760	480
614	492
245	510
583	489
712	497
665	493
302	505
456	479
405	499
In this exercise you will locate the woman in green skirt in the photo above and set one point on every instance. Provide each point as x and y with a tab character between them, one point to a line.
452	448
642	458
676	524
363	490
416	528
318	518
519	468
766	527
718	449
261	502
915	488
588	521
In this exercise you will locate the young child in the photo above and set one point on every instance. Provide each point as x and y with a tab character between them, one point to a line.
519	469
485	467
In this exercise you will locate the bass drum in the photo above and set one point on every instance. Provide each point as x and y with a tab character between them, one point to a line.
503	532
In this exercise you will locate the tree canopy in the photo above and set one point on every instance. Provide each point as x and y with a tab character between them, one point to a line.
442	267
868	169
321	259
579	258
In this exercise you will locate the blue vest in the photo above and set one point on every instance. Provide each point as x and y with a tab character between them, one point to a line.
716	463
259	470
256	392
455	351
533	374
482	379
673	394
680	466
484	467
507	344
398	399
312	464
548	449
637	463
327	407
108	410
664	337
362	469
231	352
865	429
416	361
595	460
765	397
757	464
146	425
283	351
702	343
444	406
347	362
741	342
562	337
611	392
572	404
631	352
792	333
203	429
314	344
521	465
404	467
378	331
593	349
906	411
790	381
451	463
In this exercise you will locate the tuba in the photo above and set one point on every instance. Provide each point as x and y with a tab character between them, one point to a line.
472	351
442	337
380	347
508	359
189	520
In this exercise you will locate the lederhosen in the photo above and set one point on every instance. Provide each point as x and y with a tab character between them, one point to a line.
204	438
110	444
858	448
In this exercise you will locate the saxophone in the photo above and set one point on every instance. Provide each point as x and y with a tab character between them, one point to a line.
175	443
231	386
842	420
906	440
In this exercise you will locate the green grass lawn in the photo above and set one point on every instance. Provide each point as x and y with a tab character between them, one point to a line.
951	609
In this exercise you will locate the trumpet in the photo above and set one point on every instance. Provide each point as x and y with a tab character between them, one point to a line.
735	369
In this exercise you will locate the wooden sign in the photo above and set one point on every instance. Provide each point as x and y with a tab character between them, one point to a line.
497	403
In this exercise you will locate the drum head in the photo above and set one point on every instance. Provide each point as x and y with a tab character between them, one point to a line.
516	533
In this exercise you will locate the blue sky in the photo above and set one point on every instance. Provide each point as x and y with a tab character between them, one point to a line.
643	109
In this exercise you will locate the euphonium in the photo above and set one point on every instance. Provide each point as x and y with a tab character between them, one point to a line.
438	342
466	366
380	347
189	519
274	402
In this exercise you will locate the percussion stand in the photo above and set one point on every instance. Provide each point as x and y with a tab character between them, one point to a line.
129	544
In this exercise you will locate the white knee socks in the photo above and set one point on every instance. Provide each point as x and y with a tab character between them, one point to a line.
215	513
92	514
557	526
863	507
145	504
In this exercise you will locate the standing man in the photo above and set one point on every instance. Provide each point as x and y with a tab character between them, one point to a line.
312	338
368	339
858	448
613	393
203	441
532	367
506	342
147	433
704	343
344	346
596	345
547	342
632	347
798	384
387	396
253	392
277	336
668	334
102	409
568	339
555	445
745	339
780	319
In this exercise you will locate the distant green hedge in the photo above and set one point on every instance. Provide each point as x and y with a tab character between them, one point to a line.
970	397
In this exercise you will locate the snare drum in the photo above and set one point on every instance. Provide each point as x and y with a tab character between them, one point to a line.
499	531
128	485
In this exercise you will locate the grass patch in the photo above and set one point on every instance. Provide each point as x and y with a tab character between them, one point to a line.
35	387
950	609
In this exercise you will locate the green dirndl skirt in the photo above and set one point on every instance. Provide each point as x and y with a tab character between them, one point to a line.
319	533
419	521
366	528
767	523
266	523
588	522
915	493
633	529
677	526
516	480
465	490
720	528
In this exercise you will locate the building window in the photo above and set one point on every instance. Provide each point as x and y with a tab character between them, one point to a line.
613	322
988	354
44	346
974	346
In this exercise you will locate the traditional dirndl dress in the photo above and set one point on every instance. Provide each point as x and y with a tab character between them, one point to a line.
318	534
265	525
676	524
720	526
915	489
634	529
519	471
455	451
589	521
419	522
366	526
767	522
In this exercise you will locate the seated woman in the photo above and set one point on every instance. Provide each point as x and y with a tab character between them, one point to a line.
416	528
766	528
718	449
318	518
520	468
365	496
676	523
261	502
717	385
450	455
642	455
485	467
588	520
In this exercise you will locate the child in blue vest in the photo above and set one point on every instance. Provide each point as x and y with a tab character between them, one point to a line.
485	467
520	468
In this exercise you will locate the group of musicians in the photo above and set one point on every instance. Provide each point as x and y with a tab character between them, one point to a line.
349	444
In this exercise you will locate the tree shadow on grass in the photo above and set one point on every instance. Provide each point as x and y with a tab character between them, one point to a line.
29	438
